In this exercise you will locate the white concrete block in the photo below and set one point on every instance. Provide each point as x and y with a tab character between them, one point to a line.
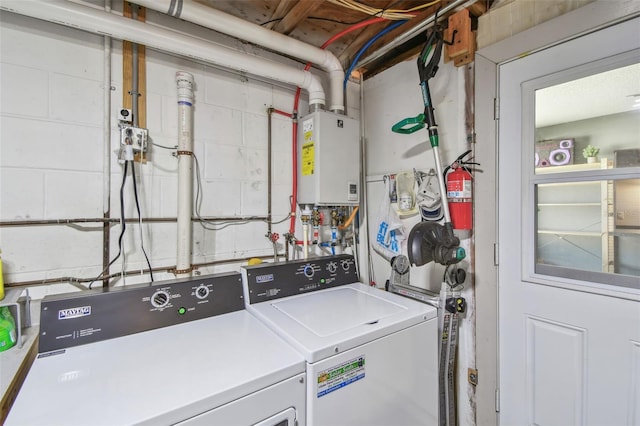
218	124
250	239
281	129
215	241
282	167
220	198
49	145
73	194
154	115
224	89
49	251
22	194
282	98
55	48
256	130
161	243
280	201
254	198
224	162
76	100
25	91
170	116
161	71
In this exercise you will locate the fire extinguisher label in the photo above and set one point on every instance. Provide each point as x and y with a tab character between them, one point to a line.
457	190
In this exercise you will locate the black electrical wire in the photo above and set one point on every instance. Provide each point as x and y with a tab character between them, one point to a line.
206	223
317	18
123	224
173	148
135	195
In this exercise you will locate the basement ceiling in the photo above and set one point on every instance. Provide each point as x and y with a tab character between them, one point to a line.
315	21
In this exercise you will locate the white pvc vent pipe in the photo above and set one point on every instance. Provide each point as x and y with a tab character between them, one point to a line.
184	81
208	17
97	21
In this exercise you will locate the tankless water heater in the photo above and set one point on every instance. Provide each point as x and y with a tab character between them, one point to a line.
328	160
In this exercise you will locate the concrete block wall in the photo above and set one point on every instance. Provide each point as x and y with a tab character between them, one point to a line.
51	154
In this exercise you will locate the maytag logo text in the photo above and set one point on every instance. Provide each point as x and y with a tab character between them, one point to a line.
81	311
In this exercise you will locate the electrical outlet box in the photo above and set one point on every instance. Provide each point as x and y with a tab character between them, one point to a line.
125	116
134	136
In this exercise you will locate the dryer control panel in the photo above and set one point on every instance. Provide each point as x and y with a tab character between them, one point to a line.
90	316
271	281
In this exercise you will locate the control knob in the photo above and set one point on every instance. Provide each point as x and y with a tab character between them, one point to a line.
308	271
160	299
202	292
345	265
332	267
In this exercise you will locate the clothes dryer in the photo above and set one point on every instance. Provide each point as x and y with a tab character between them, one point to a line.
179	352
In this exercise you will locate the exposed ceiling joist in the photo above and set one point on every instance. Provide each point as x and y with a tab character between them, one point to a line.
300	11
316	21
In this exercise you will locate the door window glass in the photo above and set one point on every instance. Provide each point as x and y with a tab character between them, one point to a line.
585	185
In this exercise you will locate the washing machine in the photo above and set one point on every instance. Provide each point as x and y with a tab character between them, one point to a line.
371	356
178	352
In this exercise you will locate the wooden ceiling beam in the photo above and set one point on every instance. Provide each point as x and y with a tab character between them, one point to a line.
300	11
479	8
281	10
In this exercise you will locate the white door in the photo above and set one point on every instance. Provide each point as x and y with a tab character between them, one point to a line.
569	291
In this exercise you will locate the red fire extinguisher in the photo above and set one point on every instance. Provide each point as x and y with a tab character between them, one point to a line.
459	192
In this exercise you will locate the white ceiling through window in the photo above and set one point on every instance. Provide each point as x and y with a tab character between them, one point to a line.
610	92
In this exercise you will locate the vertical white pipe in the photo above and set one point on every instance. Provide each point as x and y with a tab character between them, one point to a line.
184	81
305	240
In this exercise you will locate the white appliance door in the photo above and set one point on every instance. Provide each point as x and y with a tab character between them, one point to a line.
569	352
390	381
279	405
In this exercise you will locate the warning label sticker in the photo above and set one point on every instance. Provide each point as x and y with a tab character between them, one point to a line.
308	149
308	159
340	376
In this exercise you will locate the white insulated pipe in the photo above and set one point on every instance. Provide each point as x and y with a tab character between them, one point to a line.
97	21
184	81
225	23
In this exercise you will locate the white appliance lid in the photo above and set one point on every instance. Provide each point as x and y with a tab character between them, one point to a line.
159	376
325	313
323	323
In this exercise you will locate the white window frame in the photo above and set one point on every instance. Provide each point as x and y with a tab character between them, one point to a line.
600	282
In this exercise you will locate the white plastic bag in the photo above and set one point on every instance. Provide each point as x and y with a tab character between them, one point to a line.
390	231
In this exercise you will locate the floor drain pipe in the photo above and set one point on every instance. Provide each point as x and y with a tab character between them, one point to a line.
184	81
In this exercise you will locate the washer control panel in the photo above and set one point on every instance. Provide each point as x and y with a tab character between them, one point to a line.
276	280
93	315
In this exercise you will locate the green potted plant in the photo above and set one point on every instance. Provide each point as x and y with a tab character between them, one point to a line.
590	152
